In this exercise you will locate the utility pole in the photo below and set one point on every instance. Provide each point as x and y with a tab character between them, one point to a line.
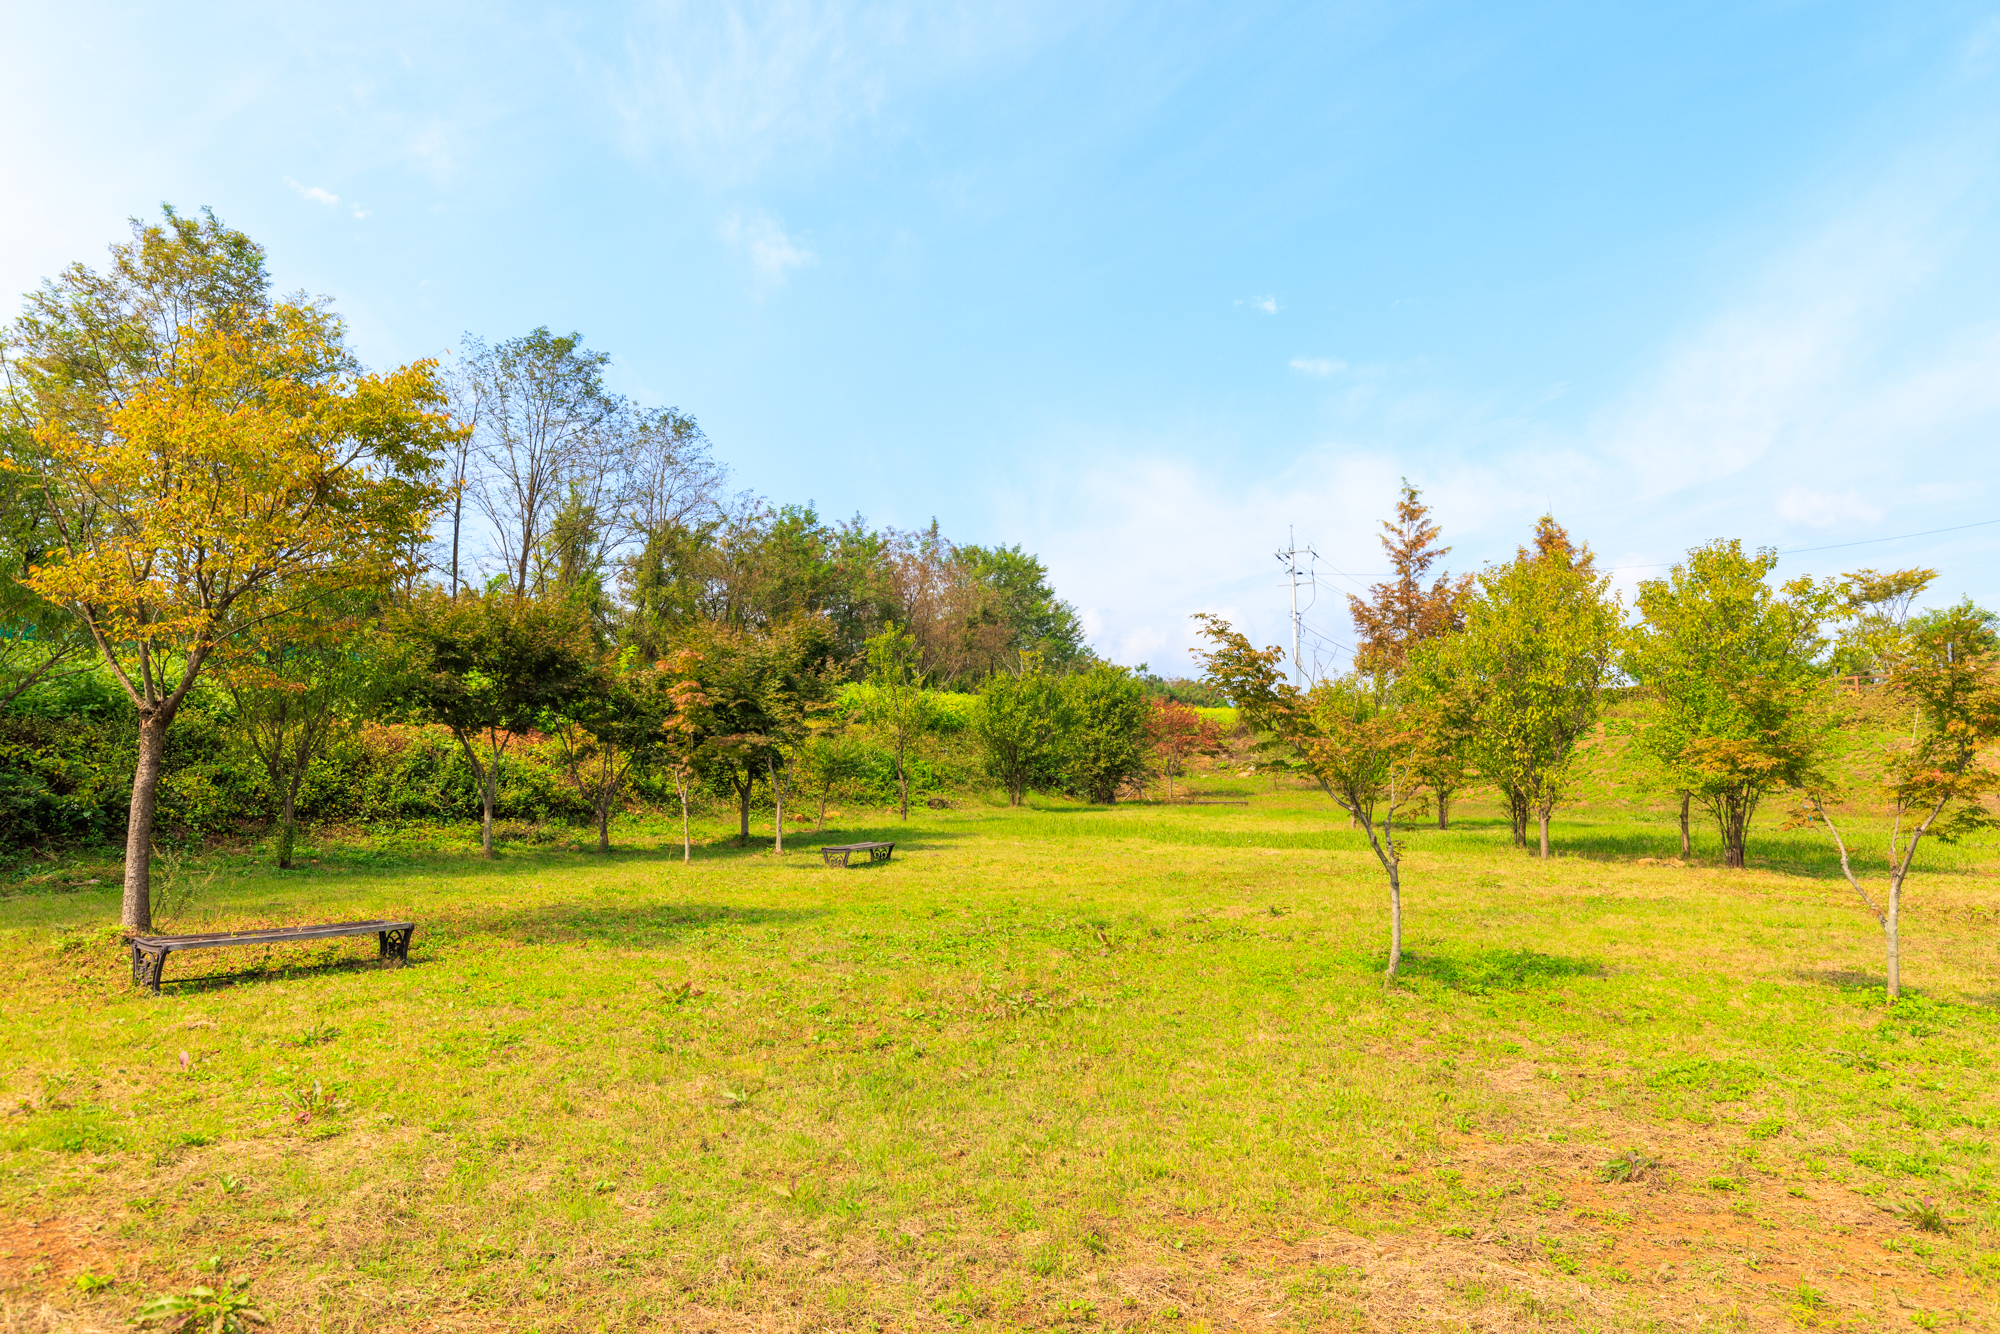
1290	555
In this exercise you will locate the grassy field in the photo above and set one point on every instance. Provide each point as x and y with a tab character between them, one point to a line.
1059	1068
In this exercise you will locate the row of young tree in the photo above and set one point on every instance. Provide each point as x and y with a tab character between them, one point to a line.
201	487
1497	678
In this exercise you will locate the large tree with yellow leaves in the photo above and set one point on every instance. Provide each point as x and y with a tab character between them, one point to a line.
209	460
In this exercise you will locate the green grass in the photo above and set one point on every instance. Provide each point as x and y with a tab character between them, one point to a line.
1050	1068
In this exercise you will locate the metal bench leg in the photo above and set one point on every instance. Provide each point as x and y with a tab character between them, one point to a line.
147	966
396	943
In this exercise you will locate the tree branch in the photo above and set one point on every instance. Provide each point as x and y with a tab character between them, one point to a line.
1845	869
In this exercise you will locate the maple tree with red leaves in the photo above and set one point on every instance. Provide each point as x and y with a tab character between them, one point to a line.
1176	734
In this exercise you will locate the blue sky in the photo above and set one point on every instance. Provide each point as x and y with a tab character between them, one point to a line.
1138	286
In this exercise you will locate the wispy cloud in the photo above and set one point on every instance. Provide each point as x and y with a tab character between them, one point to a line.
1267	304
763	240
1795	372
325	197
729	87
1317	367
1824	509
313	192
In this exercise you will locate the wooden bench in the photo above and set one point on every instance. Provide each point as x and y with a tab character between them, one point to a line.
149	953
877	852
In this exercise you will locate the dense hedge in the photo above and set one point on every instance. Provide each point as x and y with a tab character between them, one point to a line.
67	752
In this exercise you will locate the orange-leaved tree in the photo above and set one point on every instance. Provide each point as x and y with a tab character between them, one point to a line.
1346	733
1176	734
1936	783
253	466
1398	620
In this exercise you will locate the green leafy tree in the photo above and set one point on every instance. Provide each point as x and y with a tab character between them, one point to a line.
1732	669
1345	733
199	451
547	434
1937	784
1039	624
490	667
831	763
39	640
1019	726
613	721
761	691
1522	681
897	700
300	684
1875	607
1103	739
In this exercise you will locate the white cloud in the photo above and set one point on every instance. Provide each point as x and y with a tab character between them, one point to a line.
1267	304
313	192
772	253
1194	532
1823	399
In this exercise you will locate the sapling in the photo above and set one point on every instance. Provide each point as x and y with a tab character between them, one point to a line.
1936	783
1344	733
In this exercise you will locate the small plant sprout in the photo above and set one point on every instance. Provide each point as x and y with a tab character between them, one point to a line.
677	995
1631	1165
1925	1216
228	1309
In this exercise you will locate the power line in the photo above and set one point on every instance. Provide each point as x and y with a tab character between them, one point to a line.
1663	564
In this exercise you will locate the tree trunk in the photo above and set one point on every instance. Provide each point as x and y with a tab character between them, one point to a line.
1444	808
1543	818
137	913
487	800
902	783
1687	849
1890	938
1517	815
777	805
604	827
687	843
1395	920
743	808
286	831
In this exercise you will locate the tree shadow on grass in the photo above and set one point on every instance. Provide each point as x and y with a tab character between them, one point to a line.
633	925
287	966
1845	979
626	925
1477	972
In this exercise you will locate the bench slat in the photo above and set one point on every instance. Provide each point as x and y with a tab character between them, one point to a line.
262	935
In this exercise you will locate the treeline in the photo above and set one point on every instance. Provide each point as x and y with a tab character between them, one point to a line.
1496	678
222	533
